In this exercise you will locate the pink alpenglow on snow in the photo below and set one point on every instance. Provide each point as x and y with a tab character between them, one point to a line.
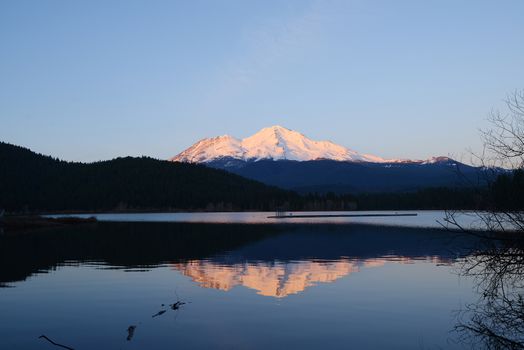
275	142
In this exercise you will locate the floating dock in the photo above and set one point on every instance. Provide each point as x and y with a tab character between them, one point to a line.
303	216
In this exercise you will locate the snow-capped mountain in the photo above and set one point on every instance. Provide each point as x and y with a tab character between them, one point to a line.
310	166
276	143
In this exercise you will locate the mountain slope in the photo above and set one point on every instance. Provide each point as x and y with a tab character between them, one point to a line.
30	181
324	176
276	143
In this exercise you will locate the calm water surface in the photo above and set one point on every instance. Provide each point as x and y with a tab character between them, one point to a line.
245	287
423	218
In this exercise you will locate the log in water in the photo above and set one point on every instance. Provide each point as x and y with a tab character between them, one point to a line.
301	216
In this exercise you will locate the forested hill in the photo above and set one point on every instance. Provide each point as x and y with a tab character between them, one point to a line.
34	182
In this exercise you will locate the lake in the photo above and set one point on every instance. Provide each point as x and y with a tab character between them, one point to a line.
421	218
115	285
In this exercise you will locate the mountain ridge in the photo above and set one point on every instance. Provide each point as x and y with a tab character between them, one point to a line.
323	176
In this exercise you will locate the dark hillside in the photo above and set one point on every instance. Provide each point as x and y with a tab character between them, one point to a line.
34	182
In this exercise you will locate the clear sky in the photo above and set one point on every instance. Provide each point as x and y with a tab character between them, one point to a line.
91	80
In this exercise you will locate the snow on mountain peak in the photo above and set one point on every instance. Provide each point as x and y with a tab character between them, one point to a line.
275	142
211	148
439	160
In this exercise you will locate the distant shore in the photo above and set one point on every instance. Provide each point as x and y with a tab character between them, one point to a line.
16	223
164	210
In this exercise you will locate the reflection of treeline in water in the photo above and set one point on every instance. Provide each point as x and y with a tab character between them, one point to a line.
30	182
145	245
130	245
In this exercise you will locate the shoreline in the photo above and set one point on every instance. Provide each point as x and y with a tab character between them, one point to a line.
17	223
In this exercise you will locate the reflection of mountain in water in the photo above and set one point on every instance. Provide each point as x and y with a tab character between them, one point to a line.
278	279
270	279
272	259
290	262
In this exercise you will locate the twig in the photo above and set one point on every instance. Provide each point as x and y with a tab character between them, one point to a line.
56	344
161	312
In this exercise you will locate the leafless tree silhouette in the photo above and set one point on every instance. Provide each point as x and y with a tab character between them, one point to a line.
496	319
505	140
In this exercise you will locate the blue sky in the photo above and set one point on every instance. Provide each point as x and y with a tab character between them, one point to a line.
91	80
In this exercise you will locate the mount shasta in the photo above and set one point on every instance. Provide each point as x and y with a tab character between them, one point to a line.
285	158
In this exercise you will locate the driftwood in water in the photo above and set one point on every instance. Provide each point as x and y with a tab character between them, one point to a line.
130	332
161	312
176	305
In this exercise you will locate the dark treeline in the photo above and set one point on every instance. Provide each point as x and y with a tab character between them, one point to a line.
507	191
31	182
423	199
